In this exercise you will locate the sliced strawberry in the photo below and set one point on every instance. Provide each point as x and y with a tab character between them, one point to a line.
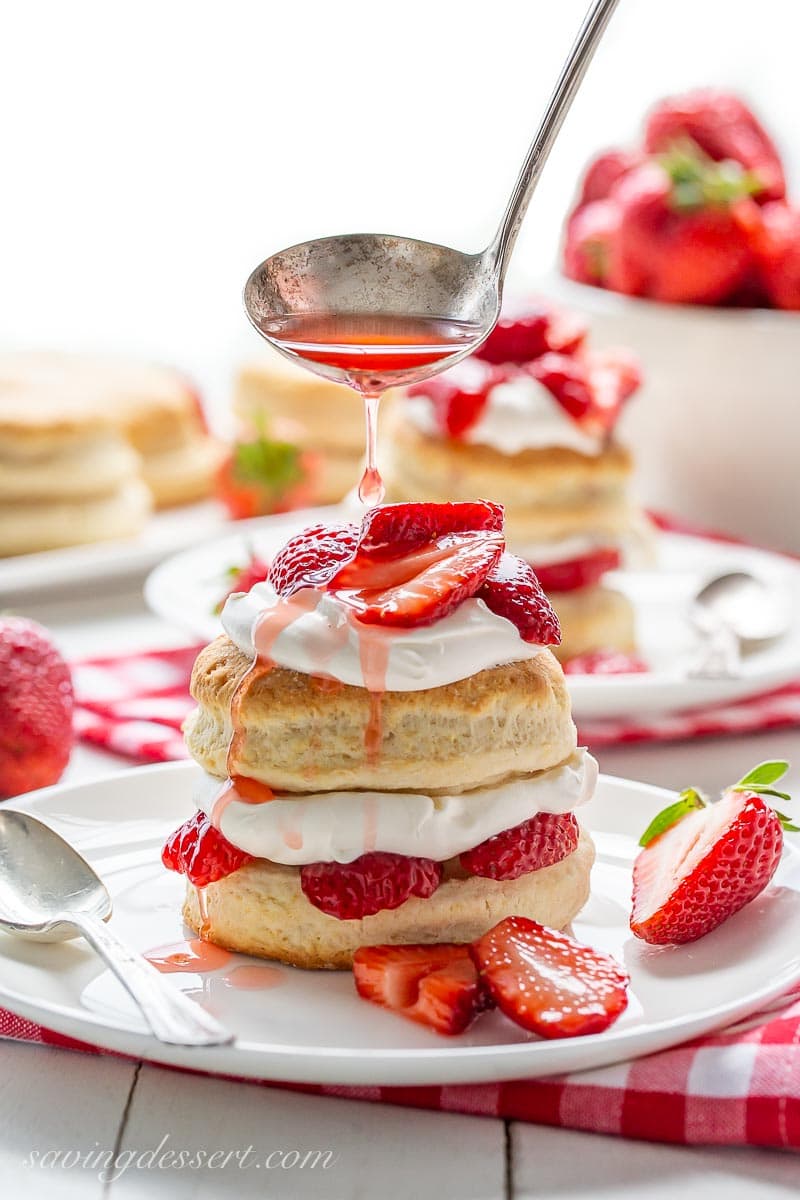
435	985
527	329
547	982
605	170
701	863
567	380
539	842
394	529
365	886
312	558
459	396
511	590
605	662
241	579
437	589
724	128
201	853
576	573
614	376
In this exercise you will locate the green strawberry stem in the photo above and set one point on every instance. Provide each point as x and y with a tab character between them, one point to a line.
756	780
699	181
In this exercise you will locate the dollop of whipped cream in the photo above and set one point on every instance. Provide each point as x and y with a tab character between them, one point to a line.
520	414
319	636
341	826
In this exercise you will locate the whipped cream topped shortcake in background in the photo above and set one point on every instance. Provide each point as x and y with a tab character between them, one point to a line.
530	419
387	743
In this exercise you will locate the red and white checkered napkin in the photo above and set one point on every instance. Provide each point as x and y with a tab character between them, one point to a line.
739	1087
134	705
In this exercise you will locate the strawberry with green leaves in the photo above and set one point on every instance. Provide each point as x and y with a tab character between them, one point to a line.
263	476
686	229
700	862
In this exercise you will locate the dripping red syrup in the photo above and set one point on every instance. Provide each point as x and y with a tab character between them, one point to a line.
371	352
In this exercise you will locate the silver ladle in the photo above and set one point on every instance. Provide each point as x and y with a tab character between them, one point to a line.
381	278
49	893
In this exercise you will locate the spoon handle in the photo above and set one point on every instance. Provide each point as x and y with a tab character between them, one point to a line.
172	1017
573	71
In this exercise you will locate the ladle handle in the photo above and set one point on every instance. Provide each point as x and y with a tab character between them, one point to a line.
172	1017
573	71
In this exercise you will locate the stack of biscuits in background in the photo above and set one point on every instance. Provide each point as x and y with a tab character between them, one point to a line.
89	446
325	420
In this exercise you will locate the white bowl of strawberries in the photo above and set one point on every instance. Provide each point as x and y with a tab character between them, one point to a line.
687	249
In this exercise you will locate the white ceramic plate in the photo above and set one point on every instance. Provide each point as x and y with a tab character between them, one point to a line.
74	566
185	589
311	1027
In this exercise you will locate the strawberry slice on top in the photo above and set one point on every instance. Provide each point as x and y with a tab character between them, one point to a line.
700	863
527	329
412	564
459	396
592	390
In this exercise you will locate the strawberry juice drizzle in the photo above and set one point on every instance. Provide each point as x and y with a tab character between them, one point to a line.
370	351
252	977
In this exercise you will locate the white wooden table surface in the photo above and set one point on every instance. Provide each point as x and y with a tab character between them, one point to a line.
57	1100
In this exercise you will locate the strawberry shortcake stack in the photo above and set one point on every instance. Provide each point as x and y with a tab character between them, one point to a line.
387	746
530	419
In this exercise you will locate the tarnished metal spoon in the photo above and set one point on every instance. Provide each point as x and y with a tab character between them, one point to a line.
49	893
732	613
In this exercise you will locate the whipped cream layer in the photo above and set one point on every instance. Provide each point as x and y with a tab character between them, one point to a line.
323	638
520	414
341	826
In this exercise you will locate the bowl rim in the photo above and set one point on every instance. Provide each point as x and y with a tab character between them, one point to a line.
616	304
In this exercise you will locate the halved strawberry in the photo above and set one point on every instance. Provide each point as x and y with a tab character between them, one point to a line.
511	590
527	329
368	884
200	852
576	573
459	395
435	985
541	841
453	577
393	529
547	982
310	559
702	862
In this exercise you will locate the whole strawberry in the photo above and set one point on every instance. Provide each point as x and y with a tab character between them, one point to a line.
700	863
262	476
724	128
777	248
36	702
685	231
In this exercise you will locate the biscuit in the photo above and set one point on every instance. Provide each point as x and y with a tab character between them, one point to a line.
301	735
50	525
261	910
593	618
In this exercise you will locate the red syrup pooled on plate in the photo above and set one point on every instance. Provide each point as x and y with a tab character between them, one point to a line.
371	352
195	956
254	978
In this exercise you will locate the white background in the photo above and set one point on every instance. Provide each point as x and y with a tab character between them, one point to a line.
153	152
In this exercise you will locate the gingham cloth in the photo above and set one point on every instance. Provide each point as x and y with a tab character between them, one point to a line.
134	705
738	1087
